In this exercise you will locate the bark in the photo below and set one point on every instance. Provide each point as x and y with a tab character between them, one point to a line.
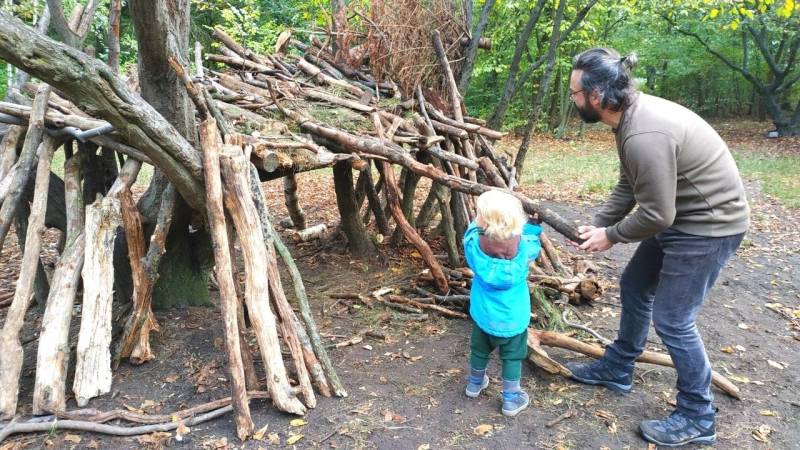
8	151
93	355
240	205
92	84
229	302
52	358
26	161
114	14
357	238
455	96
375	203
11	352
292	204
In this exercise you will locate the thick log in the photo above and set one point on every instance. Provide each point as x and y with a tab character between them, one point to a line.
553	339
11	353
53	355
92	84
236	47
491	172
299	291
210	142
93	355
241	63
51	117
26	161
240	205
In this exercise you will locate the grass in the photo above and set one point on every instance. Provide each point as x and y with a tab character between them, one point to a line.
779	175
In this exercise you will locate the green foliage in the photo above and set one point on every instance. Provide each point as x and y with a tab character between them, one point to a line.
3	78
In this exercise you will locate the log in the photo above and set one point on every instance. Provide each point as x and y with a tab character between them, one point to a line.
552	255
375	203
299	290
229	303
287	324
93	355
52	358
491	172
553	339
241	63
26	161
240	206
310	233
292	204
236	47
322	78
11	353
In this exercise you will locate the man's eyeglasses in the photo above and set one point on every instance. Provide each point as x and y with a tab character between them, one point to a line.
573	93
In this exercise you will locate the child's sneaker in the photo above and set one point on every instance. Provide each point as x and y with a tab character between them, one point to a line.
474	389
515	402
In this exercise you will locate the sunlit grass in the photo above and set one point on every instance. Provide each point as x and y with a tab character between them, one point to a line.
779	175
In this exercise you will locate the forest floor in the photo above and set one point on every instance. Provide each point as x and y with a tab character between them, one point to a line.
406	390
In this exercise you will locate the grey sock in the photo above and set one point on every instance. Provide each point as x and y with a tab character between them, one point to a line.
476	375
511	387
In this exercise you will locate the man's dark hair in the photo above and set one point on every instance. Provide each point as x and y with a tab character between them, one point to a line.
608	74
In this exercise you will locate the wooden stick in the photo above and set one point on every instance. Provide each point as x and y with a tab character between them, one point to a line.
236	47
455	96
26	160
53	354
93	354
439	309
292	203
300	294
239	203
552	255
11	352
553	339
8	151
210	142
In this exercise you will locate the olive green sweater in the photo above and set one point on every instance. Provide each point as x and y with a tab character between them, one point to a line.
679	172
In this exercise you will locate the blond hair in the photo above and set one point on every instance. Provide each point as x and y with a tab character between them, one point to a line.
501	214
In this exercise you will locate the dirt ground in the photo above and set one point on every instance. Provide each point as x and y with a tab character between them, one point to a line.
406	391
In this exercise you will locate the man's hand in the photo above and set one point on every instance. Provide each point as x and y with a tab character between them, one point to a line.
595	239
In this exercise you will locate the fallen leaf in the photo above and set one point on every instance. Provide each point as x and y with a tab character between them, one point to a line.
273	438
73	438
293	439
727	349
424	447
147	404
172	378
181	431
766	412
298	422
743	326
612	427
651	446
760	434
483	429
156	439
259	435
776	365
94	445
557	401
740	348
605	414
133	408
740	379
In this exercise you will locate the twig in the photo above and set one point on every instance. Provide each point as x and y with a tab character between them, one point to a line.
567	415
597	335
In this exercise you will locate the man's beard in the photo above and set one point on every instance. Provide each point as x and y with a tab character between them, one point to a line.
588	114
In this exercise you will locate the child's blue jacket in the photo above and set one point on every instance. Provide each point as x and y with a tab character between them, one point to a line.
500	303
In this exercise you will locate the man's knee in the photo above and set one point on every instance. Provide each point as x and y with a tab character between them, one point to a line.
672	327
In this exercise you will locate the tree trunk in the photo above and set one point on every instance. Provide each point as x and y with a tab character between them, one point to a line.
472	50
162	31
357	237
93	355
544	87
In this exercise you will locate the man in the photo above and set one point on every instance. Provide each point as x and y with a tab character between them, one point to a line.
692	214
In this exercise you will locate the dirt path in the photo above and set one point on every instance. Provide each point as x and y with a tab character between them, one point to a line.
406	391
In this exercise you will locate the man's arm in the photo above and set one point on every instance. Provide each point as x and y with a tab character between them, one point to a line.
651	161
619	203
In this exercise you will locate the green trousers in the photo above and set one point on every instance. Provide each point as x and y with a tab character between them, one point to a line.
512	351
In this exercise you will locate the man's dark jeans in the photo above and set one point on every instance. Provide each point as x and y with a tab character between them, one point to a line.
667	280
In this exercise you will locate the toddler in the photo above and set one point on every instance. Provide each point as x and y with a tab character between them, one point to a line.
498	246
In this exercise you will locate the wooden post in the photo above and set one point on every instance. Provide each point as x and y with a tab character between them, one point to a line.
210	142
292	204
240	205
25	162
93	360
53	355
10	347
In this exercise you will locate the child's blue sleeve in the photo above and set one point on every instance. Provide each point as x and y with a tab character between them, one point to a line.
530	234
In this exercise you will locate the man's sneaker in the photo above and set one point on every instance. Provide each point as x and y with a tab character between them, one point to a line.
474	389
679	429
514	403
599	372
